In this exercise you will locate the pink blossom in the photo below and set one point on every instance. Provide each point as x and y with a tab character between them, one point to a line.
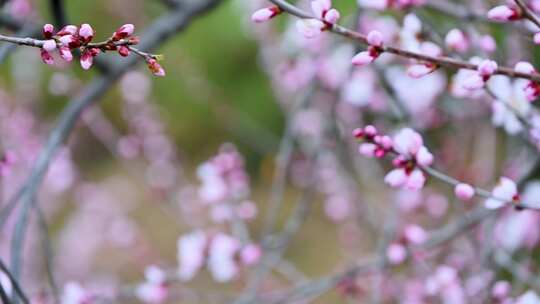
74	293
68	30
151	293
396	253
310	28
86	60
48	31
416	180
337	207
474	82
503	13
323	11
250	254
6	162
123	32
501	290
375	38
424	157
49	45
247	210
536	38
464	191
66	54
456	40
221	260
123	51
488	44
524	67
155	67
367	149
265	14
191	256
415	234
46	57
332	16
396	178
505	192
69	41
487	68
363	58
407	142
154	290
319	7
420	70
86	33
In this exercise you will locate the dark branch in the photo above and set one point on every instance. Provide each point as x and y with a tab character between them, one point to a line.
58	13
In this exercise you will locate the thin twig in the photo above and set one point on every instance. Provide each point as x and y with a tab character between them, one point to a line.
16	287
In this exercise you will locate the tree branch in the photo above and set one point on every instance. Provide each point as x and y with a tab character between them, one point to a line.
439	61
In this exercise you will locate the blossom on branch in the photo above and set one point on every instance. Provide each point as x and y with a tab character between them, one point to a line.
325	18
505	192
375	41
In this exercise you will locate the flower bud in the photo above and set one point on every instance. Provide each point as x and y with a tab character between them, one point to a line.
46	57
503	13
123	51
265	14
49	45
155	67
48	31
86	33
124	31
464	191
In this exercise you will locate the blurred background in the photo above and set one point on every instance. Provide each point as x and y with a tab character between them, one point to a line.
128	184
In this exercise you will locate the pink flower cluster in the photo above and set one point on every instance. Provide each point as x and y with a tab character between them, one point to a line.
325	18
375	41
225	186
223	255
412	234
532	89
154	290
410	150
71	37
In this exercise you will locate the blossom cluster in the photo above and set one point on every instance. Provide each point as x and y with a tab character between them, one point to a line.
411	153
225	187
223	255
70	38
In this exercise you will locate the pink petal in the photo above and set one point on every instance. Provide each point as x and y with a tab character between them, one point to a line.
362	59
501	13
419	70
396	178
464	191
424	157
416	180
375	38
332	16
262	15
49	45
